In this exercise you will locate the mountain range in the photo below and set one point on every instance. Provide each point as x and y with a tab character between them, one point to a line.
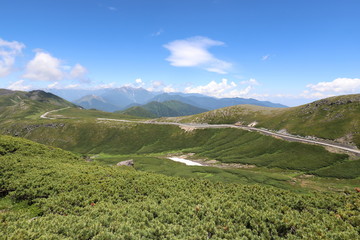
115	99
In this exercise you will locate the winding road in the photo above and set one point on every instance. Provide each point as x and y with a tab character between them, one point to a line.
52	111
287	137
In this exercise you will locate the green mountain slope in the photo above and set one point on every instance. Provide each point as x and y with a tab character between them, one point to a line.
138	111
88	114
225	145
48	193
163	109
336	118
19	105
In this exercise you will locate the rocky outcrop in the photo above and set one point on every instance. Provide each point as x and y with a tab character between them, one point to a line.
129	163
15	131
50	125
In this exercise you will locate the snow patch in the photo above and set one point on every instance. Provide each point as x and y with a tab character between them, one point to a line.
187	162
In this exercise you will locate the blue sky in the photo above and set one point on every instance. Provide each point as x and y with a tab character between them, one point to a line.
285	51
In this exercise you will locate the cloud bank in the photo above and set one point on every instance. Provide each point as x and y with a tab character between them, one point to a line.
45	67
19	85
42	68
222	89
336	87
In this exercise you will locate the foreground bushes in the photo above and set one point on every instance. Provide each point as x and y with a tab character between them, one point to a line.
74	199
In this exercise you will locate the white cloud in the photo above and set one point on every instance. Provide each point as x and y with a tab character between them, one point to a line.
66	67
260	96
169	89
266	57
44	67
157	33
112	8
339	85
159	86
336	87
193	52
239	92
220	90
106	85
19	85
251	81
139	83
72	86
53	85
314	95
155	86
78	71
8	52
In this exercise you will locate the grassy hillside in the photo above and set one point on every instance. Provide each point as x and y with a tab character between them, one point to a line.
48	193
86	114
19	105
183	109
139	112
336	118
225	145
155	164
163	109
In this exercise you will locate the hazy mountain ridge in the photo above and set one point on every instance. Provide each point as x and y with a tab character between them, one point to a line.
121	98
125	96
163	109
95	102
109	99
212	103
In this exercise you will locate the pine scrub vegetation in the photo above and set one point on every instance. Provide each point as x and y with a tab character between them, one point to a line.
48	193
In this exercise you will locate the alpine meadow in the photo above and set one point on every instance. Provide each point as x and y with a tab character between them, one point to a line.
188	120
